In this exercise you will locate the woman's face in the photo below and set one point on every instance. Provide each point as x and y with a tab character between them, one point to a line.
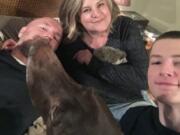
164	71
95	16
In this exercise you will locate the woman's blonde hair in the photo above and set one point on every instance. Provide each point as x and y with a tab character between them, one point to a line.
69	16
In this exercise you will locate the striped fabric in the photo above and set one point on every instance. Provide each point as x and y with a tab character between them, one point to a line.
30	8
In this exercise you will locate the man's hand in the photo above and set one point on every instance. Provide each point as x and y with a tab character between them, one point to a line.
9	44
83	56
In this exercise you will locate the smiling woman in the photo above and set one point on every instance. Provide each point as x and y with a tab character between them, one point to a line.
91	25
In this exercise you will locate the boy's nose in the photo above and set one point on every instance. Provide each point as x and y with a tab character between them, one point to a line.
167	69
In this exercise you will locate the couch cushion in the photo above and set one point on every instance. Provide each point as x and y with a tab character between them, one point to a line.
11	25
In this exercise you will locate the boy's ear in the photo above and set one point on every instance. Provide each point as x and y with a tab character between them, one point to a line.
21	31
8	44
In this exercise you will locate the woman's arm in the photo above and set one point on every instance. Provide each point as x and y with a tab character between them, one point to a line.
134	71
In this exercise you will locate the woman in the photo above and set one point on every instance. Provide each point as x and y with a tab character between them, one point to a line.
164	84
90	25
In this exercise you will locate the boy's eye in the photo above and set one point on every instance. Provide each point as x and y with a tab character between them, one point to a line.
155	62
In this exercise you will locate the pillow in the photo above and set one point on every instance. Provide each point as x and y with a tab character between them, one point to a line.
11	25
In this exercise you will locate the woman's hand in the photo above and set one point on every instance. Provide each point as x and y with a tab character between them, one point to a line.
83	56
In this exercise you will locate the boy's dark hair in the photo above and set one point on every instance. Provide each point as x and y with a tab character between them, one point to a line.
169	34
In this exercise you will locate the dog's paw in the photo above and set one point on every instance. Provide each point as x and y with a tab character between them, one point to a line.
111	55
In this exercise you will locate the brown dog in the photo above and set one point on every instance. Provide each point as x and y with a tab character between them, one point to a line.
66	107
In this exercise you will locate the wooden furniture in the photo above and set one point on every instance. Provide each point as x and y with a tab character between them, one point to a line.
30	8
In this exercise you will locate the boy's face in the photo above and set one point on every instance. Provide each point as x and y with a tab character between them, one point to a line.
164	71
